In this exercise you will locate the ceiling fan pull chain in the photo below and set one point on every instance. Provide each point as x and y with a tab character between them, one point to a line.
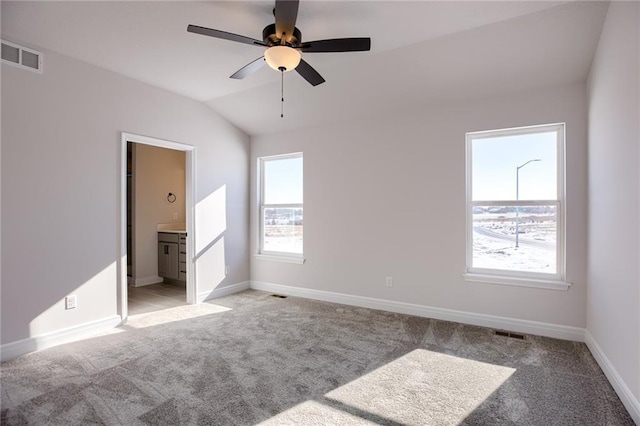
281	92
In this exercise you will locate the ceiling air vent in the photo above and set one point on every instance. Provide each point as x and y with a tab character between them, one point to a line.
22	57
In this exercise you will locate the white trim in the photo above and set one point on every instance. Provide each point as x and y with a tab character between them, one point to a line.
66	335
141	282
190	207
283	206
517	282
281	156
508	203
630	402
223	291
190	184
565	332
277	258
514	131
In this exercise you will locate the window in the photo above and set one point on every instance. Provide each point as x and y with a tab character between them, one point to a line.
281	208
515	206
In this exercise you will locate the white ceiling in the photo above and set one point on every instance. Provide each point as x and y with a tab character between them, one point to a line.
423	52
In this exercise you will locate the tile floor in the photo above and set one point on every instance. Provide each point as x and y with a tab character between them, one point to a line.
155	297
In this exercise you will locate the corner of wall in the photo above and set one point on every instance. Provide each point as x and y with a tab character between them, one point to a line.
631	403
613	90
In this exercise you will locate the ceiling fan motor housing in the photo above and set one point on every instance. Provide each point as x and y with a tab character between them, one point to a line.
270	37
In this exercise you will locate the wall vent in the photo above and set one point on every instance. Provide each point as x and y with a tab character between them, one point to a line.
511	334
22	57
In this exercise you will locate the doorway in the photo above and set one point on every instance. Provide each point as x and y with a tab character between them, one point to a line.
157	179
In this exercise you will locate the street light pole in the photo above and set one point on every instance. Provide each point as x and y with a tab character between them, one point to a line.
518	197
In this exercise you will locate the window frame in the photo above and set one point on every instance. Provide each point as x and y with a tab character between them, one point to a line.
513	277
282	256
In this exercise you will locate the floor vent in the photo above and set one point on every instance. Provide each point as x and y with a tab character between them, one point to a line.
21	57
279	296
509	334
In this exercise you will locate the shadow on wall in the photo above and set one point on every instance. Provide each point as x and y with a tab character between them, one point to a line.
103	276
209	258
91	275
88	268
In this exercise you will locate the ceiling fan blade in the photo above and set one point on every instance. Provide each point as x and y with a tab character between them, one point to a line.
224	35
337	45
308	73
286	13
249	69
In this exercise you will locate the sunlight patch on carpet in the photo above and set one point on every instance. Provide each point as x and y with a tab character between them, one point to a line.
178	313
423	385
314	413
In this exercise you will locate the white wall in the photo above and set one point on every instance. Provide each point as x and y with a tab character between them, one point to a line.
386	196
613	297
158	171
61	182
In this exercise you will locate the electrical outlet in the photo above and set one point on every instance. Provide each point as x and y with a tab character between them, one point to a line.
71	302
389	281
226	270
175	215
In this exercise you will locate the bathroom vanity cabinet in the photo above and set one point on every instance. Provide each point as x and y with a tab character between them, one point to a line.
172	256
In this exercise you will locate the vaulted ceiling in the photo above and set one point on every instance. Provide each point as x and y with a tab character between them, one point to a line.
424	53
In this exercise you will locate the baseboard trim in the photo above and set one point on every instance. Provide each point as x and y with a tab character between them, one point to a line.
630	402
141	282
512	324
31	344
223	291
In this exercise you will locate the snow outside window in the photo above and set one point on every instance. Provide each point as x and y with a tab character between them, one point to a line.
515	204
281	208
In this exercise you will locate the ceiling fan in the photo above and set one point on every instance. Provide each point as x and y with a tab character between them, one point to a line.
283	42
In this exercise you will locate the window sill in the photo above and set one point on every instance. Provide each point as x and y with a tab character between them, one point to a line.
518	282
278	258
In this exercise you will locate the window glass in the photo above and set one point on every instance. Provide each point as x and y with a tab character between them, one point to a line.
283	230
282	211
494	242
283	181
515	203
496	159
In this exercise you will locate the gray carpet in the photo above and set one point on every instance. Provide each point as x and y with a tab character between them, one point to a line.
251	358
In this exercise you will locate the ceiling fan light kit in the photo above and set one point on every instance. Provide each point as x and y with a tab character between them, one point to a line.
284	43
282	58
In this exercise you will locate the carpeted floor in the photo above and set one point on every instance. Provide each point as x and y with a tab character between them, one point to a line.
251	358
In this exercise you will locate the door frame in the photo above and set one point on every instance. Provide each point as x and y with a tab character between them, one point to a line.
190	183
